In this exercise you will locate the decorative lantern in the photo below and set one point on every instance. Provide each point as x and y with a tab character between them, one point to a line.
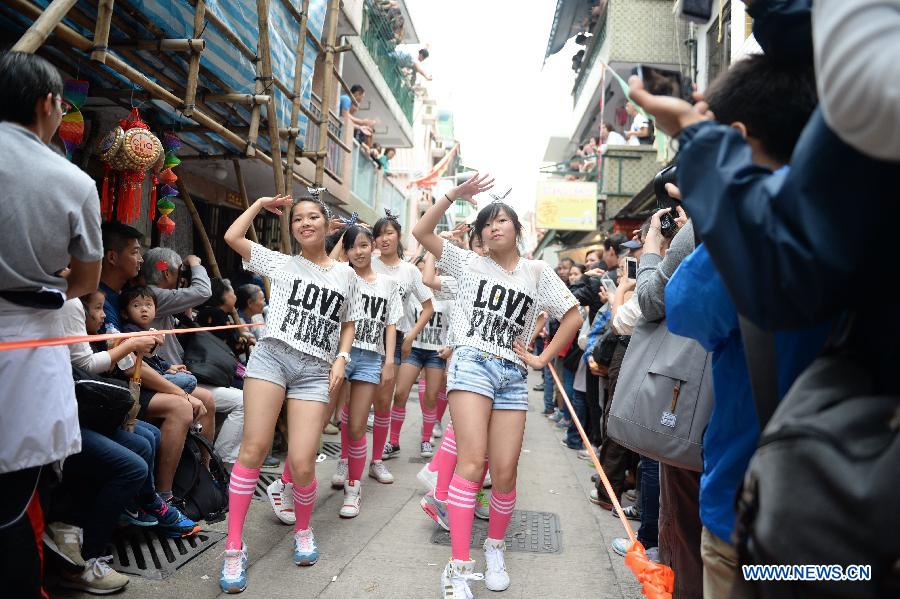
127	152
167	178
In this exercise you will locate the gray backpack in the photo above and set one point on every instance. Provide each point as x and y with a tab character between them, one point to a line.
663	397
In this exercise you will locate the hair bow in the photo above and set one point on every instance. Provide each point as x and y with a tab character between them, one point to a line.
315	192
162	266
390	215
350	221
500	198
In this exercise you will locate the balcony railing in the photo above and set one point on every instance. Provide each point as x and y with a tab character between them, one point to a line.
334	160
365	177
591	53
378	38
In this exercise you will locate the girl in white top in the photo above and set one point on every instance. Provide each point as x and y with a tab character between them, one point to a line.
301	357
500	297
371	363
387	240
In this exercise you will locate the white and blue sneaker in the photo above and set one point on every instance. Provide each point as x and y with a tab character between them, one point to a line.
305	551
234	571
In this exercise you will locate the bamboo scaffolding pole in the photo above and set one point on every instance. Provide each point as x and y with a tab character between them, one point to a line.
43	26
245	199
164	45
71	37
265	67
190	93
296	100
331	19
204	238
248	99
101	32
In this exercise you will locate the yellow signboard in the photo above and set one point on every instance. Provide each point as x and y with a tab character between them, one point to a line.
566	205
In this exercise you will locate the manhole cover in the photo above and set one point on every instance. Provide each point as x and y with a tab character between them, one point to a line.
149	554
534	532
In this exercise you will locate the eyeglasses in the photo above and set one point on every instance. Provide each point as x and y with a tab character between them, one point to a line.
64	106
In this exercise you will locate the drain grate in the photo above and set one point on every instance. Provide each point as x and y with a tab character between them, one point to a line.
149	554
332	449
265	479
532	532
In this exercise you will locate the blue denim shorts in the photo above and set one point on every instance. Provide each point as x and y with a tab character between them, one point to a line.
365	366
425	358
494	377
302	376
397	349
187	382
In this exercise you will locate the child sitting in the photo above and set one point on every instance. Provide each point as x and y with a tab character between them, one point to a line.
138	311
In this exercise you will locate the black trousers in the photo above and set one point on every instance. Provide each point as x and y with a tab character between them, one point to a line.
21	532
614	458
594	422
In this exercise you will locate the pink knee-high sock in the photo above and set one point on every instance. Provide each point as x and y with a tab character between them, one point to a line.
439	453
446	459
461	509
380	433
286	473
442	403
421	391
345	431
398	415
304	501
357	460
502	505
240	492
429	417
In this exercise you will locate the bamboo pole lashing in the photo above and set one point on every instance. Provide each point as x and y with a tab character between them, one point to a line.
101	32
35	36
164	45
194	62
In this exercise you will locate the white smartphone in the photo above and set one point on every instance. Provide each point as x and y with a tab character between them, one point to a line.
609	285
631	268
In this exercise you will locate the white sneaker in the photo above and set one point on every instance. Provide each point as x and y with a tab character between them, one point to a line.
234	570
495	576
350	509
281	496
427	478
370	421
487	484
97	577
438	431
455	579
379	472
340	474
427	450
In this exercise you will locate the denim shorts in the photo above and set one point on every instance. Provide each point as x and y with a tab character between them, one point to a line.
187	382
494	377
425	358
365	366
303	376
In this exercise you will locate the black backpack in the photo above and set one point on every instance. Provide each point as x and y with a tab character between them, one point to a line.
202	493
103	403
209	359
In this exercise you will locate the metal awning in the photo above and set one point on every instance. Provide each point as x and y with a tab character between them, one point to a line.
566	23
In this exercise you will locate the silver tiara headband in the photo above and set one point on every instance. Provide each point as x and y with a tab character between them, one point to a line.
499	198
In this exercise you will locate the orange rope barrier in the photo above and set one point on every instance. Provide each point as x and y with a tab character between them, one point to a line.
51	341
657	581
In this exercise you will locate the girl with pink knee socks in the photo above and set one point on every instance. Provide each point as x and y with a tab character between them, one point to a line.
301	358
500	297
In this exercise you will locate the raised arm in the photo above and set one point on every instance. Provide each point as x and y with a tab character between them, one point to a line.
236	235
429	275
423	230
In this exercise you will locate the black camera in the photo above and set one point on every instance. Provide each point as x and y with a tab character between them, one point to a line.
664	200
699	11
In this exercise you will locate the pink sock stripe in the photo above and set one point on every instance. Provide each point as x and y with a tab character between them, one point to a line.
243	479
398	414
503	505
451	500
241	486
305	499
382	421
358	452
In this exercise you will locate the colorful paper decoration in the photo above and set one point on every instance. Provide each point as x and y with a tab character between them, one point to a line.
71	130
166	192
127	151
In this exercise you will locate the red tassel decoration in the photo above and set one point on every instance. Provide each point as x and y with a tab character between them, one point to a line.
105	200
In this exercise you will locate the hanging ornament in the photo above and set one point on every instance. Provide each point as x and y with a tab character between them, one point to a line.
171	143
71	129
129	151
165	225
